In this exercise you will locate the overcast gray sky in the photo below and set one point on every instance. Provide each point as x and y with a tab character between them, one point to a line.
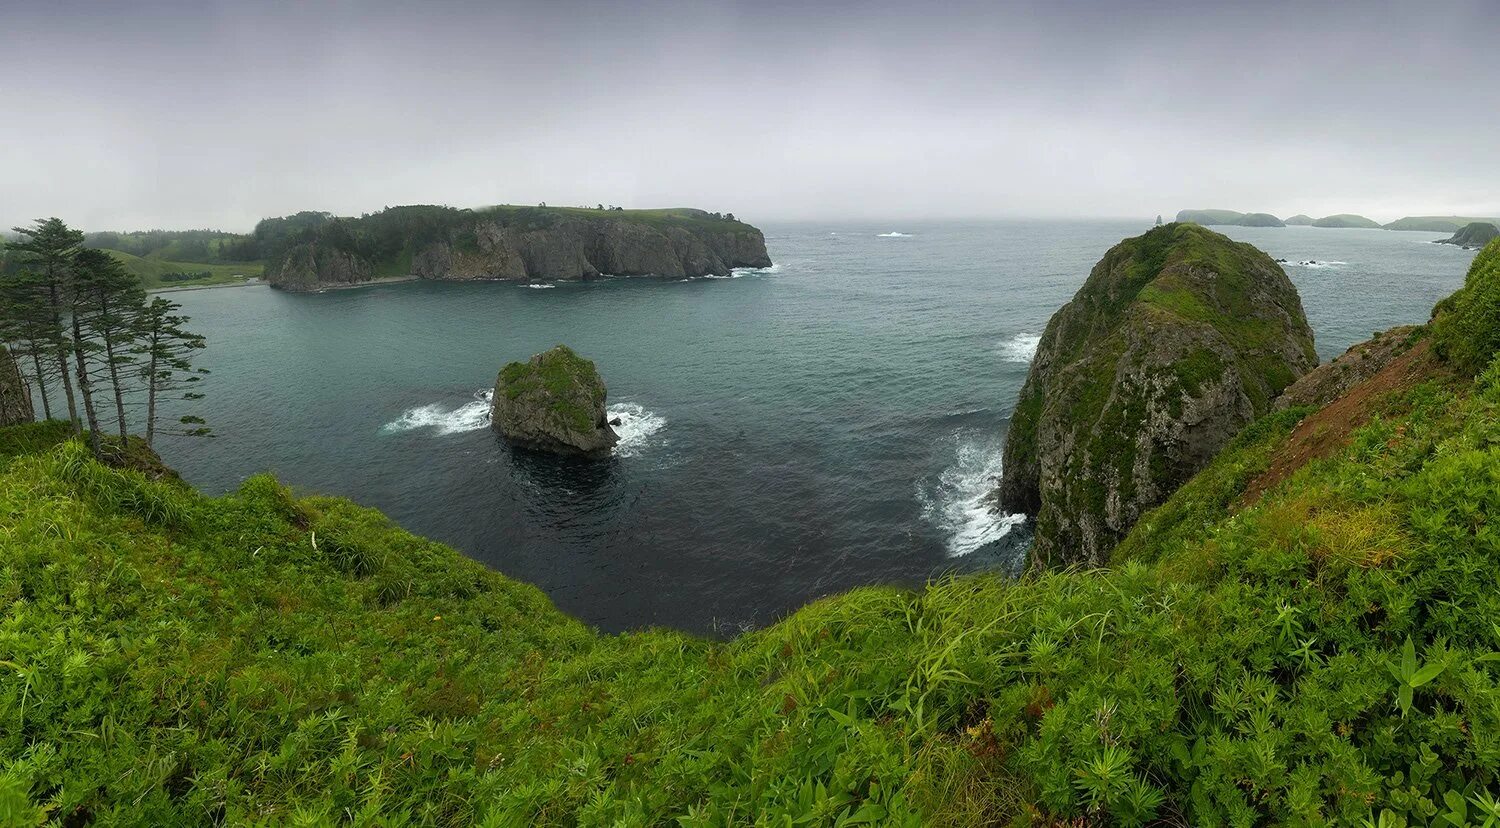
169	114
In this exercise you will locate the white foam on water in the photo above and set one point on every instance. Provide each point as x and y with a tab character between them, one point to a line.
1020	348
541	287
891	235
1318	263
961	503
751	271
636	428
470	416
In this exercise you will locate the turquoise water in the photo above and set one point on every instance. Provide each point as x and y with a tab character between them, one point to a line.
833	421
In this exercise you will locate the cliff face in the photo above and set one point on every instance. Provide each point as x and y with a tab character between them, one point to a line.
523	244
312	266
1331	380
1178	339
15	396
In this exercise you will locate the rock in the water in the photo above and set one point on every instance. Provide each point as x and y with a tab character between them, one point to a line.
1474	235
554	402
1178	339
15	396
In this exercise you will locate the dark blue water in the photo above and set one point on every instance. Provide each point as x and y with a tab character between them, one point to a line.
831	422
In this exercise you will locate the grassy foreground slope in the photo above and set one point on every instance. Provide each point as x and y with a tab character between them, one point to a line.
1328	654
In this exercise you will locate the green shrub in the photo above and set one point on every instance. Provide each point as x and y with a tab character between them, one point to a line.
1466	325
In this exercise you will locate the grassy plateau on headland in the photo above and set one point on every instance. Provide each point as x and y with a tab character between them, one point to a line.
1326	655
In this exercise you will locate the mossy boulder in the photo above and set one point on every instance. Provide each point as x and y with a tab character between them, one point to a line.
1466	325
554	402
1178	339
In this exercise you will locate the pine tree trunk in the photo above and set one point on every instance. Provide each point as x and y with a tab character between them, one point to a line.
62	356
41	381
85	389
151	397
114	374
62	369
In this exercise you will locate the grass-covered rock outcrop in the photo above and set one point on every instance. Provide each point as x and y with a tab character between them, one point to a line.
553	402
1177	340
1327	655
1475	234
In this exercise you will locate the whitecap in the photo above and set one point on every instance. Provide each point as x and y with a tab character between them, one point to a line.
892	235
541	287
961	502
470	416
1020	348
737	272
1319	263
637	427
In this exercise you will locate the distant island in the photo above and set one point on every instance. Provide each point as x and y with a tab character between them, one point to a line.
313	250
1229	218
1234	218
1348	220
1438	224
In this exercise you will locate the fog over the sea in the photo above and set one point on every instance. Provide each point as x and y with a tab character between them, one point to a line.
191	114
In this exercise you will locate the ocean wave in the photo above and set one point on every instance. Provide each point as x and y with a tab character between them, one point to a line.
541	286
1020	348
470	416
751	271
892	235
637	426
960	503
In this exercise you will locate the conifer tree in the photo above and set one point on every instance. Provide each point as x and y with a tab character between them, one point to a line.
110	304
43	283
165	350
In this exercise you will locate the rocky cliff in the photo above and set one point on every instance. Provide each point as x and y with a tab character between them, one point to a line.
1474	235
1331	380
15	396
1177	339
522	244
554	402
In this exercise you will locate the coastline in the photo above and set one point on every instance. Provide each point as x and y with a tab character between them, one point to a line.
254	282
385	280
262	282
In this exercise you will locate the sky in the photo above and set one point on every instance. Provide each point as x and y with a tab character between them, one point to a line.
216	114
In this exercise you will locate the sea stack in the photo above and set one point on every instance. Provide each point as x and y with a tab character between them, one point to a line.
1178	339
555	403
15	396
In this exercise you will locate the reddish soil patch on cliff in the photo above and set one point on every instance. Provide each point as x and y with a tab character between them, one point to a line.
1327	429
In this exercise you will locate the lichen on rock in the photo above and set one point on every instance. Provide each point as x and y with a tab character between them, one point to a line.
1178	338
554	402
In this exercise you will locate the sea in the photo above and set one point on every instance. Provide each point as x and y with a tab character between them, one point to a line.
832	421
